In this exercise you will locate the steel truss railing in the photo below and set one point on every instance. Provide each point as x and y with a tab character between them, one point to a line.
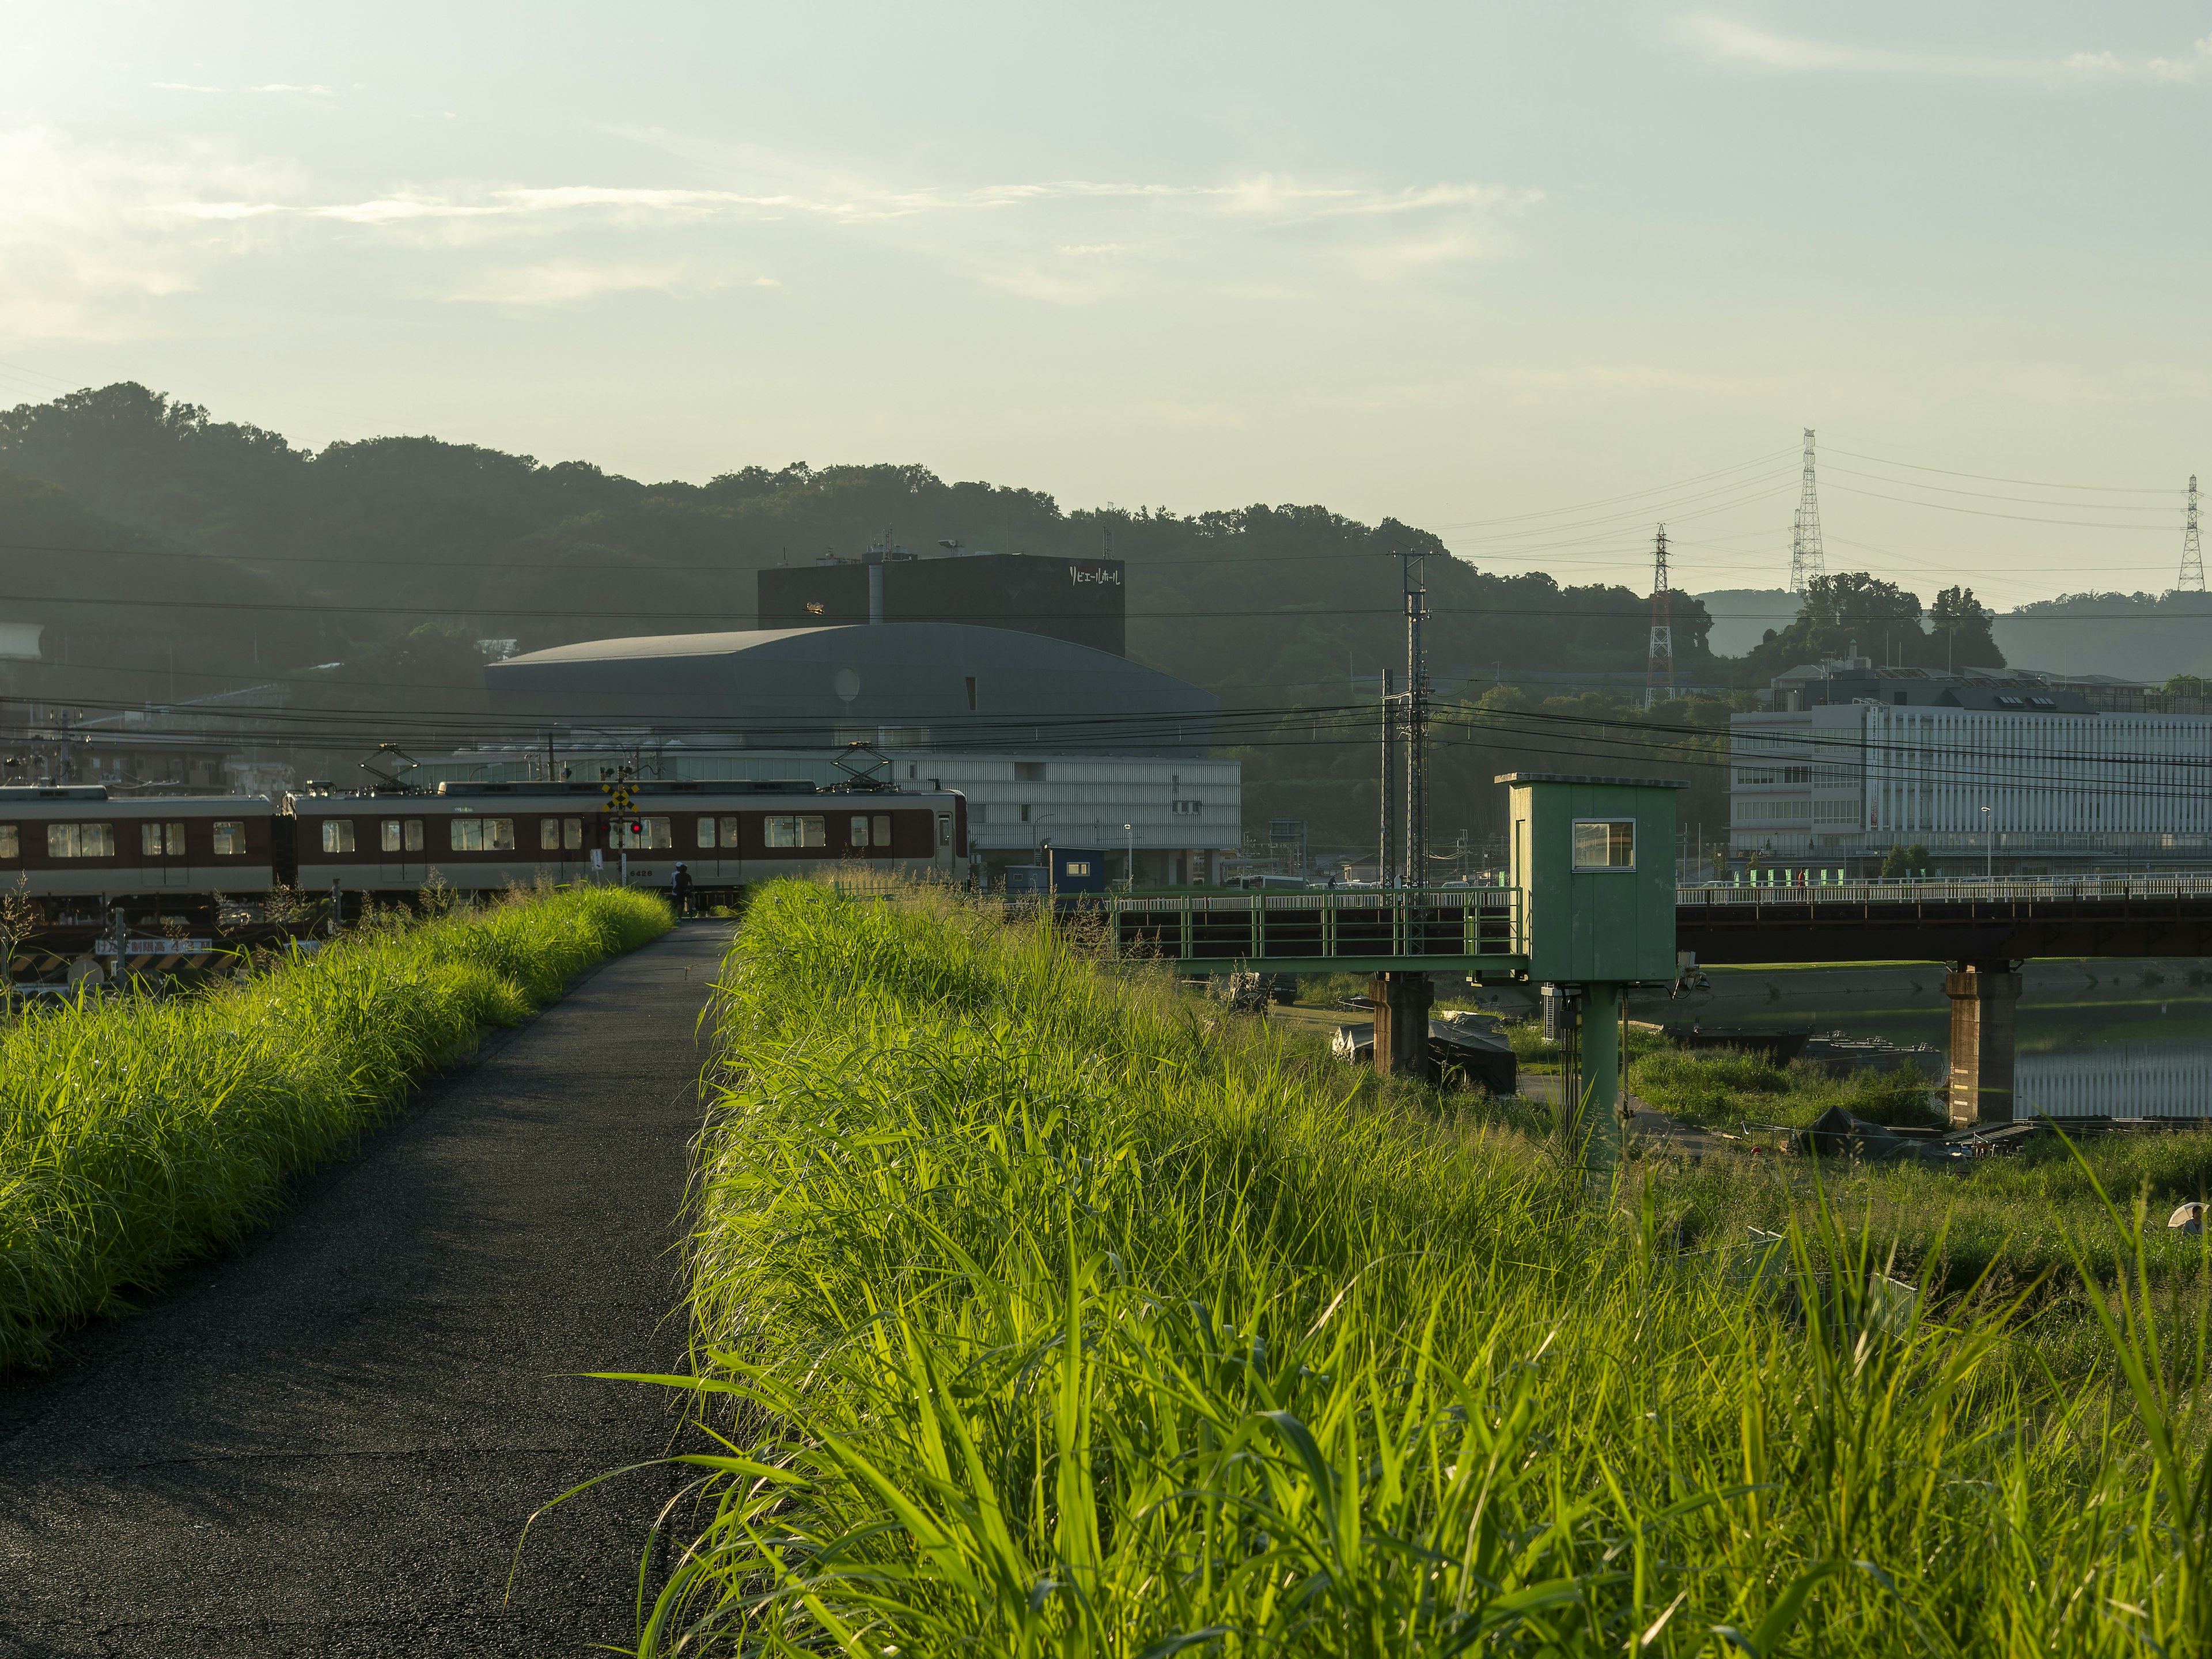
1370	931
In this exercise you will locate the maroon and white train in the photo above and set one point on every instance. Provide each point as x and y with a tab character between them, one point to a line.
76	841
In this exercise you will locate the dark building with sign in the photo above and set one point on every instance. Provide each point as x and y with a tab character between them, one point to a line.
1078	600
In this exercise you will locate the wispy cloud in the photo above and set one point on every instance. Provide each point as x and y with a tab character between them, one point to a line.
75	255
273	86
78	223
1726	40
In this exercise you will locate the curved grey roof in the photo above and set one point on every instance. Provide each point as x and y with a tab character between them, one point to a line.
966	685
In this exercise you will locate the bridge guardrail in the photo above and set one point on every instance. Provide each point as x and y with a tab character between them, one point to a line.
1357	929
1947	891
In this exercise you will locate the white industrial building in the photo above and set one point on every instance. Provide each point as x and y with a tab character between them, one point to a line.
2017	772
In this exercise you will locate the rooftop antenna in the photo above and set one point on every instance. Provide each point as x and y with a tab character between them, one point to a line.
1807	562
2192	551
1661	668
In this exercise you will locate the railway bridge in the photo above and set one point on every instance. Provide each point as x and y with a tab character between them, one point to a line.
1566	922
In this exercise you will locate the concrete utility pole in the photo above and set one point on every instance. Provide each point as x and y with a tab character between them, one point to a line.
1402	999
1416	720
1386	853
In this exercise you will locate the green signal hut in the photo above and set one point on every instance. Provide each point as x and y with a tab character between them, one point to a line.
1594	858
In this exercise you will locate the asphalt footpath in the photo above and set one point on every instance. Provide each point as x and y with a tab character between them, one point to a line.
328	1442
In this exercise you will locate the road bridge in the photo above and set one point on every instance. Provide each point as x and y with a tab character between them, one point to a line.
1982	929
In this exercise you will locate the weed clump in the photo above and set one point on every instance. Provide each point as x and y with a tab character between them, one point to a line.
1038	1317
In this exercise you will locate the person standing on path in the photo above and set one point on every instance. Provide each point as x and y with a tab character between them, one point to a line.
680	889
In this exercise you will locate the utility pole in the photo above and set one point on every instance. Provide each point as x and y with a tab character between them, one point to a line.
1807	561
1662	663
1386	856
1416	720
1401	999
2192	551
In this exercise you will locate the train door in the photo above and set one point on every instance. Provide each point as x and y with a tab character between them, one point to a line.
401	862
161	861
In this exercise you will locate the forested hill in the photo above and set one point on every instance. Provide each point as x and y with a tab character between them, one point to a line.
347	552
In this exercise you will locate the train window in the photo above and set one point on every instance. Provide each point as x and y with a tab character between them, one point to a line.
860	831
337	836
80	841
161	839
883	832
11	841
549	834
572	834
804	830
414	834
725	830
229	838
473	835
944	829
706	832
387	836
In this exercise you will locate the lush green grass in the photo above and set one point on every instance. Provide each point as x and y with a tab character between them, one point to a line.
1724	1087
1042	1317
135	1133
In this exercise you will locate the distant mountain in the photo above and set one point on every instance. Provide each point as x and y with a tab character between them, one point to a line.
2134	636
1741	616
366	544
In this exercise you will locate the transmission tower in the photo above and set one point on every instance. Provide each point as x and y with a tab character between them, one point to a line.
1659	672
1806	559
2192	551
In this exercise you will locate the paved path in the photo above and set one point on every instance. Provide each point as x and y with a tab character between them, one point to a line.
328	1444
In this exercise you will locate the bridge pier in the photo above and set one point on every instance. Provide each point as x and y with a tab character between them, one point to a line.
1401	1024
1984	997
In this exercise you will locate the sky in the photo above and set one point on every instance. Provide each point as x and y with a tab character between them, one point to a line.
1537	278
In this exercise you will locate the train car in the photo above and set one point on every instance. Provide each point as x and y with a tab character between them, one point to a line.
75	842
479	835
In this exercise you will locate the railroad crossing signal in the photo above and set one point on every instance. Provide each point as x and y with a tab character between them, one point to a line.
617	796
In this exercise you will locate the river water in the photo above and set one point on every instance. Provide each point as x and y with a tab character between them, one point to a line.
2103	1038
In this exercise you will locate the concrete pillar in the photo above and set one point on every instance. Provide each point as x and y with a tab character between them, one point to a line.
1401	1024
1983	995
1600	1077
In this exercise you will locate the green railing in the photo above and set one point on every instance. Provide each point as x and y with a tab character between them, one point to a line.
1368	931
